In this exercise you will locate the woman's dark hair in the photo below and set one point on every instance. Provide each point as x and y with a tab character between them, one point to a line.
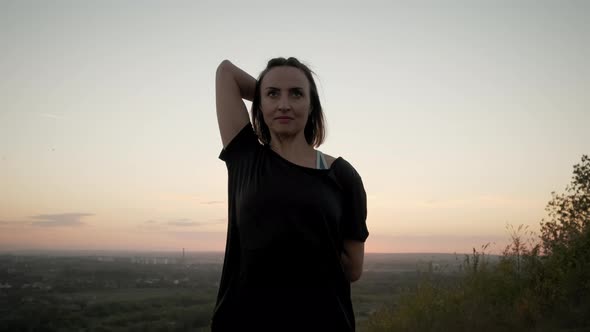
314	128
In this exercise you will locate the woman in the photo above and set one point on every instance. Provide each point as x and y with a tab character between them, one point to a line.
296	227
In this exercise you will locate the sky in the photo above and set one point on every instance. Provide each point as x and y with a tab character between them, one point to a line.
460	116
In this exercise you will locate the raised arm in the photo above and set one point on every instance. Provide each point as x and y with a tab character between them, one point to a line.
232	84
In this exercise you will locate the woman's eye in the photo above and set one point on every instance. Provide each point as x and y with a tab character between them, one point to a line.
275	93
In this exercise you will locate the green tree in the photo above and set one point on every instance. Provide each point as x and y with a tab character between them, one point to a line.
569	213
565	237
540	283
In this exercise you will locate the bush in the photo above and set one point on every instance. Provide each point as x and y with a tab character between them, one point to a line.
539	283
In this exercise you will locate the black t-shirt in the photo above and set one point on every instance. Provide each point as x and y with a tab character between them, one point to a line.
286	223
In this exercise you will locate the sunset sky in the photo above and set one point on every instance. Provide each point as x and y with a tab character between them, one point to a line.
460	116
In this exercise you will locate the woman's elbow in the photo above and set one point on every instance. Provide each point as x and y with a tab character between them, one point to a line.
352	269
224	66
352	259
355	274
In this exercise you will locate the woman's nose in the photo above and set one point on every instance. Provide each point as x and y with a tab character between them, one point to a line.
284	102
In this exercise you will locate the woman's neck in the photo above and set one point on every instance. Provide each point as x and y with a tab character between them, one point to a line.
294	148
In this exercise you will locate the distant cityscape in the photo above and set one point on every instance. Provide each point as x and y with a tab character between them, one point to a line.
149	291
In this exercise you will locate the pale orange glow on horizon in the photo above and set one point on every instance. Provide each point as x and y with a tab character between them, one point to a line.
153	236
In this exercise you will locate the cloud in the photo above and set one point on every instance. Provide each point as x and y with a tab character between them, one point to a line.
178	197
60	220
183	222
150	225
52	116
212	202
187	222
10	223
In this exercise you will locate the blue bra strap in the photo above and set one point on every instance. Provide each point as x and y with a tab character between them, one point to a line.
321	161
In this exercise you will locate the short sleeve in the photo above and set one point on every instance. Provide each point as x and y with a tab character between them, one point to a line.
243	144
354	220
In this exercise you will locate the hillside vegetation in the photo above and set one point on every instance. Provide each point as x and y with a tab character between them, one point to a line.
540	283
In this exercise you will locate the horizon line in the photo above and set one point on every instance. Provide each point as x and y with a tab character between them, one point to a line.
37	250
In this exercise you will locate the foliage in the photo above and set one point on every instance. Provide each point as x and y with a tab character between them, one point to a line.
569	213
540	283
565	237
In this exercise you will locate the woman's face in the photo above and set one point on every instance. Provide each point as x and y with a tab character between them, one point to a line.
285	100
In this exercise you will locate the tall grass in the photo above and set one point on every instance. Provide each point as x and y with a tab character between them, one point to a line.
487	296
539	283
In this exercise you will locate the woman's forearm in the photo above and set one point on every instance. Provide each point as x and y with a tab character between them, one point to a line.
346	265
245	82
352	259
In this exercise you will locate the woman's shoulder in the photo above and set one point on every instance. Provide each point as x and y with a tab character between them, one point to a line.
242	145
329	159
343	168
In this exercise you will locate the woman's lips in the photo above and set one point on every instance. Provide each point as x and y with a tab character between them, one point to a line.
283	119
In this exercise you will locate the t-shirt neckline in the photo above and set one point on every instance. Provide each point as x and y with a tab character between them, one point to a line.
299	166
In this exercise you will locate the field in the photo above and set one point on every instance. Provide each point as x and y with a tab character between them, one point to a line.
100	291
